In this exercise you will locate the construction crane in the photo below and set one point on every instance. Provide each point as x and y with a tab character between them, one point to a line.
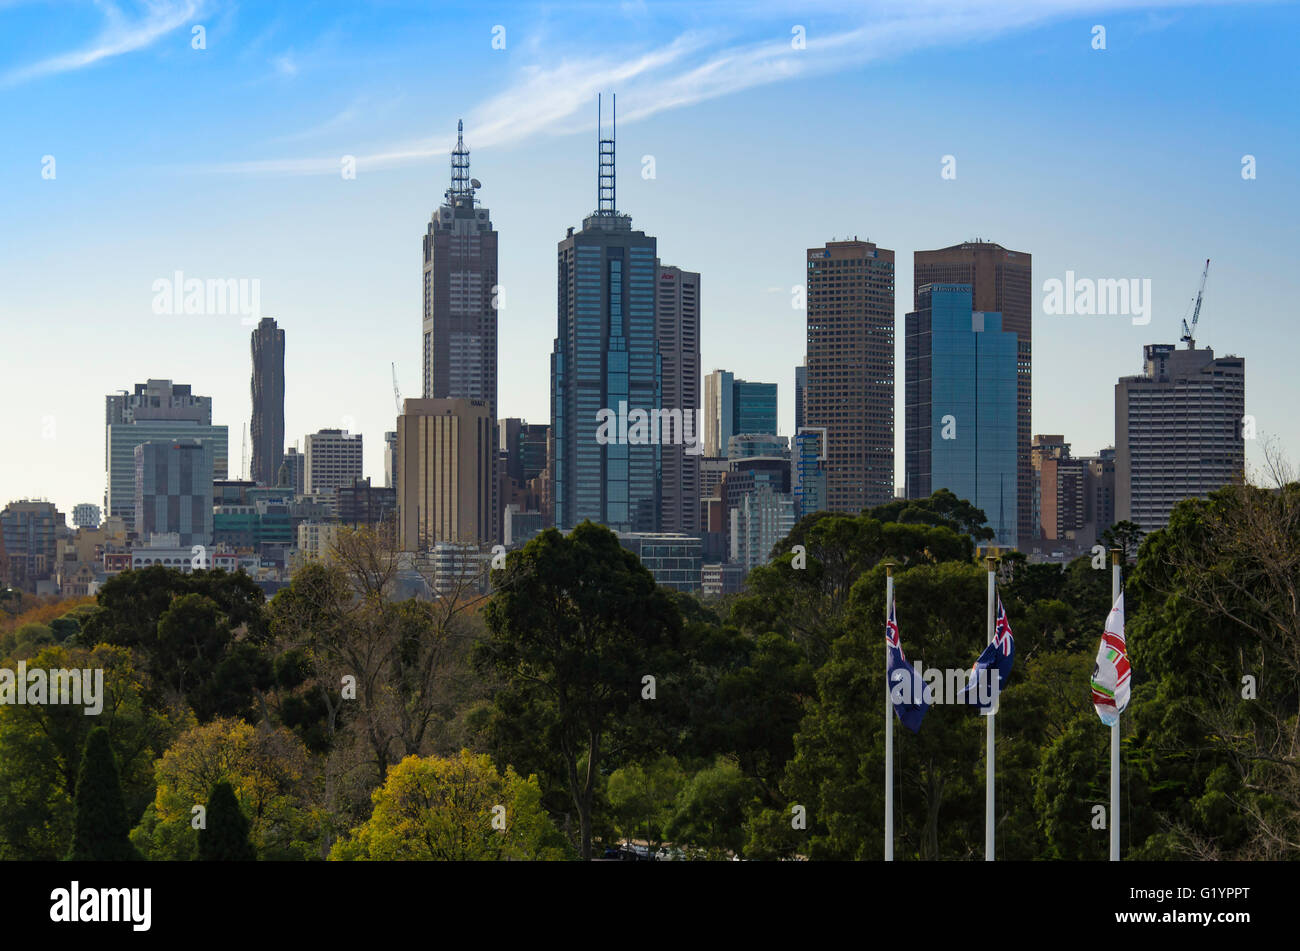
1188	336
397	394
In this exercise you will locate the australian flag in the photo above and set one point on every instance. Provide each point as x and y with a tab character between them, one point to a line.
906	688
992	668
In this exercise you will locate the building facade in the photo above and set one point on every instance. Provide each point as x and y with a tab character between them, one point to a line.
1001	282
850	370
267	427
446	472
1178	431
605	360
677	327
173	490
333	460
156	410
960	393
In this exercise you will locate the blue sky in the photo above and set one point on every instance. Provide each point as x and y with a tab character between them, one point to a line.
224	162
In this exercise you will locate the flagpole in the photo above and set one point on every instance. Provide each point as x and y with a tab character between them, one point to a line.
1115	554
889	727
989	762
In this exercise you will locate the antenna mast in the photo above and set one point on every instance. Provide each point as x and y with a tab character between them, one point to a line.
605	168
461	188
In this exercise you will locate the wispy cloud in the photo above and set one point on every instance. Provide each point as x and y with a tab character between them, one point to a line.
120	34
694	67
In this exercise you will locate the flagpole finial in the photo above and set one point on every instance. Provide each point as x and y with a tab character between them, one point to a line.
889	568
1115	555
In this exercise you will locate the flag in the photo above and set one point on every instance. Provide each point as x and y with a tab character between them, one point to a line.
993	665
1110	675
906	688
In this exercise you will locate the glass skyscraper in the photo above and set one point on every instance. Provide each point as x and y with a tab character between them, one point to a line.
605	358
961	405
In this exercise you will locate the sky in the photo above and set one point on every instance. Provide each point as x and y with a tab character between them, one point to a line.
209	138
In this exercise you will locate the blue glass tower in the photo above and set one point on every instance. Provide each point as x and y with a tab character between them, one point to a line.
605	358
960	405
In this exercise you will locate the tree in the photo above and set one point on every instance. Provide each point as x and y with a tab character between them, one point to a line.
943	508
41	747
267	767
453	809
101	828
224	836
574	622
1124	535
643	799
710	812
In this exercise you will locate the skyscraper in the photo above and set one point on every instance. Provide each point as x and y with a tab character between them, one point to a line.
677	320
157	409
267	430
605	358
446	469
736	407
1001	282
800	387
1178	431
461	298
960	405
333	460
173	490
850	364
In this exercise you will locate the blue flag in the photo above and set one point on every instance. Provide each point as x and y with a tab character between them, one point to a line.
992	668
906	688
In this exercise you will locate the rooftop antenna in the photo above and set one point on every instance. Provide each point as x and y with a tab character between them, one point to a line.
461	187
605	168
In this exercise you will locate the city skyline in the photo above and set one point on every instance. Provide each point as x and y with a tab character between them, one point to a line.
335	267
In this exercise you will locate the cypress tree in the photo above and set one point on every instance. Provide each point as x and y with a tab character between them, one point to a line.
101	828
225	835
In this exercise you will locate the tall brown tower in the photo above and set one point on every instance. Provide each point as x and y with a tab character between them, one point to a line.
461	298
850	389
1001	281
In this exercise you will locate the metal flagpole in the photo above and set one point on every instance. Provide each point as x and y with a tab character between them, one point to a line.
889	727
988	726
1115	554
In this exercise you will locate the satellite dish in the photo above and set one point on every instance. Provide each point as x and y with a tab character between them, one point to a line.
475	183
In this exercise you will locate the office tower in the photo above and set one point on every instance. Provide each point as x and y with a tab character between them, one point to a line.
158	410
461	299
267	429
293	472
332	460
1177	431
800	386
850	300
173	490
677	319
1001	282
390	460
1061	492
605	358
446	468
1101	478
29	534
719	411
960	406
735	407
807	474
364	504
85	515
760	509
